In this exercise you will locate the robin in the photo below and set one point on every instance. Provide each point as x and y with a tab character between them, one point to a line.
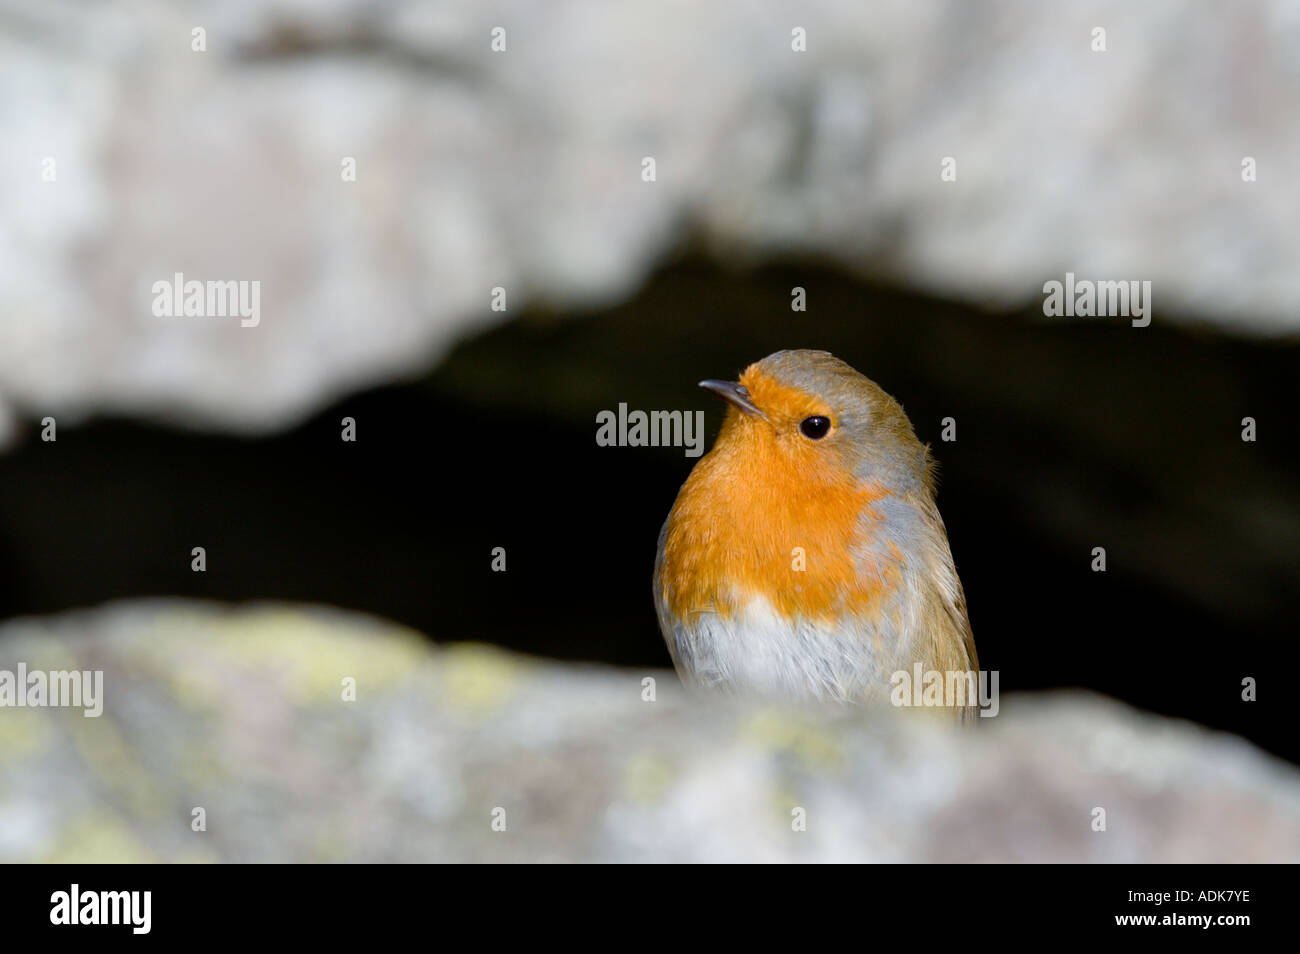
805	558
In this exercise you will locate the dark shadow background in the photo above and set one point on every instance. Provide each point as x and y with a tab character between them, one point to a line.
1070	434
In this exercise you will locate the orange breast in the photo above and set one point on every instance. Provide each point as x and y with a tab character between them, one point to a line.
760	516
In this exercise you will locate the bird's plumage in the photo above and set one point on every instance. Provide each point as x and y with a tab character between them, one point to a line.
810	569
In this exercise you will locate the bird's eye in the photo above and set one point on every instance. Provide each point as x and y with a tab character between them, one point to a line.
815	428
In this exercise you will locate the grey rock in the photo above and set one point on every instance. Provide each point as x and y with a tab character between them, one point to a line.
522	169
239	711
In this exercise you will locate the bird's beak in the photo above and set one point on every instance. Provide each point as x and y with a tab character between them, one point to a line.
737	394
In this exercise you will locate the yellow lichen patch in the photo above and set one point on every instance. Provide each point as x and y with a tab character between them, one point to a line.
195	856
198	688
22	732
782	802
97	838
307	656
107	753
48	655
478	677
329	848
784	731
646	777
198	767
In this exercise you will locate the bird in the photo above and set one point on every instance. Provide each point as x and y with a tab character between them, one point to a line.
804	558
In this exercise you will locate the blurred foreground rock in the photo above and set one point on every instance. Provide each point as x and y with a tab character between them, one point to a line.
239	712
522	169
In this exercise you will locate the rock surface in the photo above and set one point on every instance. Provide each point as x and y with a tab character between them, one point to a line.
239	712
522	169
